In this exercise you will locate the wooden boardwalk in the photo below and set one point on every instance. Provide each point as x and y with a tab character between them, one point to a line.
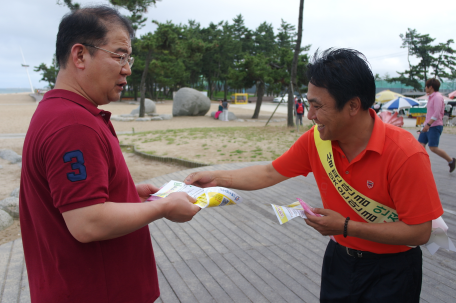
241	254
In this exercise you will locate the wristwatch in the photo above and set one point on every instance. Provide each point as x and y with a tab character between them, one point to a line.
428	124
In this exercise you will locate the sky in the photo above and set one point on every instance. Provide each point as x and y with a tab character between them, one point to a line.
371	27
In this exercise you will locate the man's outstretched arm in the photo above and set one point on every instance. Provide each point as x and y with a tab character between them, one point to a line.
248	178
111	220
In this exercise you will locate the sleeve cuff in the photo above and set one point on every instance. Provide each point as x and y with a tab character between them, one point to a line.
81	204
424	218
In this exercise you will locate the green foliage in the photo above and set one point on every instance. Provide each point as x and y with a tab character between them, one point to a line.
221	58
435	60
69	3
48	74
137	8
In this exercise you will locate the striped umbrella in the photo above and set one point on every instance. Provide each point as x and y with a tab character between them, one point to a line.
386	95
401	102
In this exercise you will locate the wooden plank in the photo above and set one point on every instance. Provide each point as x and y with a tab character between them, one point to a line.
294	268
223	280
195	279
273	282
5	255
25	290
238	279
283	276
186	238
253	278
13	279
167	294
213	287
172	277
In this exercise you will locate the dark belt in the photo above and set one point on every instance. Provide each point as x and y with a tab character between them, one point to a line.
359	254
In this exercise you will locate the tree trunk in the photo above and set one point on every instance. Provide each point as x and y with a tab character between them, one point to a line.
135	92
260	94
225	90
294	66
142	86
209	88
290	104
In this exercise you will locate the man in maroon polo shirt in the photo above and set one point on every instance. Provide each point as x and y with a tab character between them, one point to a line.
84	228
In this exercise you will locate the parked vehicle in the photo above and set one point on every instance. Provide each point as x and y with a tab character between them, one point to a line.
422	104
278	99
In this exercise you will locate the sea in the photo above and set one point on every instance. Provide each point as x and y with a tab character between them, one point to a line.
14	90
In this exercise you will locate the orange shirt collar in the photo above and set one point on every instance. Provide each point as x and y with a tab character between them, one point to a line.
377	139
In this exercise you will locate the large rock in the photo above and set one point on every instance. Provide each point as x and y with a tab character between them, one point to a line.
231	116
166	117
149	107
11	206
10	155
15	193
190	102
5	220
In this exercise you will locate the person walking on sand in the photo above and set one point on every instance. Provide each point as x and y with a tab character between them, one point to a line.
362	168
84	229
433	125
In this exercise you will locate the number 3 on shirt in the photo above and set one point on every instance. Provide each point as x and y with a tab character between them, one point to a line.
78	165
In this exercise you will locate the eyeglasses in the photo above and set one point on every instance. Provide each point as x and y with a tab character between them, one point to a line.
123	58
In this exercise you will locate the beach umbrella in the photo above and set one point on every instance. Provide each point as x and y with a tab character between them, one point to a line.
401	102
452	95
386	95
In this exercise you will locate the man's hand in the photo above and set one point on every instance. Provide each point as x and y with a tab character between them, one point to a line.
394	233
178	207
203	179
425	129
145	190
331	224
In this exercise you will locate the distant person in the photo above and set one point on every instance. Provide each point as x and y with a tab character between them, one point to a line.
219	111
299	111
84	228
225	106
433	125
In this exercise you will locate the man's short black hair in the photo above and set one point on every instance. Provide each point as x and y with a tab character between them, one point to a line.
345	73
87	25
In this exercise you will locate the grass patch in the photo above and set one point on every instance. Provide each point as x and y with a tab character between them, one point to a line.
239	144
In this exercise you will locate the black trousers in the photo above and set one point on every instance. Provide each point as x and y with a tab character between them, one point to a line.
391	279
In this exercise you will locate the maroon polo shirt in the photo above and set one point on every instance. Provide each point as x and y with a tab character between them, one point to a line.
72	159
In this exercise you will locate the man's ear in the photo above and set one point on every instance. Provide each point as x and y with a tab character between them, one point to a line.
78	56
354	105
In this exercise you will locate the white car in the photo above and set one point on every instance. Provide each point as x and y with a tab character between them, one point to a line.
285	99
422	104
278	99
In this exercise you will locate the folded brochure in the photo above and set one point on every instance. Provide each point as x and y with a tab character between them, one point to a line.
205	197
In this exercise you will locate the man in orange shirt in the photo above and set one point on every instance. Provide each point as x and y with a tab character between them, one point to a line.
369	262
